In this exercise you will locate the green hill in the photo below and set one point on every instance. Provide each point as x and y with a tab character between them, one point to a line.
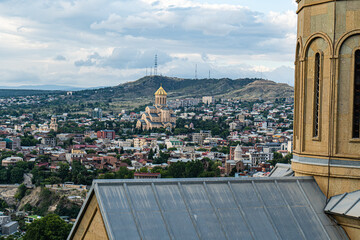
138	93
145	87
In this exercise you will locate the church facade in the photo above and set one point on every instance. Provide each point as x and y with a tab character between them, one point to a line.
159	115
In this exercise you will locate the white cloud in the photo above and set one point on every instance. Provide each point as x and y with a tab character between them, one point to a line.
93	42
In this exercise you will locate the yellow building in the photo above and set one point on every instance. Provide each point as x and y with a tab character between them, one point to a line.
159	115
53	124
327	96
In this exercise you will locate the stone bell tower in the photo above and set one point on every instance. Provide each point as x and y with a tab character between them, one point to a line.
327	94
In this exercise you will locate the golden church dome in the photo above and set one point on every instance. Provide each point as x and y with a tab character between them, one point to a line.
161	91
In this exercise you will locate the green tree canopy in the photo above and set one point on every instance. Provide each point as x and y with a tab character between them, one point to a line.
50	227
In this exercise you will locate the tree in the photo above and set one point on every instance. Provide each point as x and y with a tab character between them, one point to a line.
88	140
3	175
21	191
214	149
143	170
16	175
64	171
127	161
28	140
53	180
33	152
3	205
151	154
43	158
66	208
177	170
193	169
50	227
162	158
91	151
124	173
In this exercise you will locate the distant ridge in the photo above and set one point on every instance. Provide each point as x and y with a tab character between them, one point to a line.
47	87
145	87
5	93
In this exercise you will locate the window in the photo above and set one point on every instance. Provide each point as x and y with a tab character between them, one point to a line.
356	110
317	95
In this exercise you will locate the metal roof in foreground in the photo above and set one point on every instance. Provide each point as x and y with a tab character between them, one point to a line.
214	208
347	204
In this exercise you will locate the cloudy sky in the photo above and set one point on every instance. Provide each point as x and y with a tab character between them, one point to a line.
89	43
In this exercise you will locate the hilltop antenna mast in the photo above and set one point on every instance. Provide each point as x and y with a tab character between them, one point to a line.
156	65
209	74
196	71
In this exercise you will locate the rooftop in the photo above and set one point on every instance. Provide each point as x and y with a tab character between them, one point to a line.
213	208
347	204
161	91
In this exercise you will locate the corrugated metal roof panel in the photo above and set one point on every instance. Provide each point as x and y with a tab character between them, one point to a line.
117	213
282	170
347	204
355	210
214	208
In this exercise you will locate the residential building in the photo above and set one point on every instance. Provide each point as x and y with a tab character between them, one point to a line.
9	228
173	143
10	161
140	175
32	218
106	134
97	113
15	143
208	100
259	157
49	141
2	145
199	138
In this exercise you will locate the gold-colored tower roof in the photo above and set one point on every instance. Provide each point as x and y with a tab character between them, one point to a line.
161	91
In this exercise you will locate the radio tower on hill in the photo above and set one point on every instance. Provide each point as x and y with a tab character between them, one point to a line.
156	65
196	77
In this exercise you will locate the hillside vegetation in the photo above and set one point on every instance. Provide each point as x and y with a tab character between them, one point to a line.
138	93
145	87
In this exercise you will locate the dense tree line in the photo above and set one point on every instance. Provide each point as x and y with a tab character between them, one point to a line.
278	158
28	140
15	174
49	227
191	169
77	174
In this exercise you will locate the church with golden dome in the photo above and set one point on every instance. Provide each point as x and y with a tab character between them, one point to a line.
159	115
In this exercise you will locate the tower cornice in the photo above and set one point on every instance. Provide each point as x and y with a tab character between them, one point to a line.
308	3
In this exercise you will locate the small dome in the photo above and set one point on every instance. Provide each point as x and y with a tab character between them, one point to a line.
161	91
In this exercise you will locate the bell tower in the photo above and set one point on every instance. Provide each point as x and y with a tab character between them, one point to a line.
53	124
327	94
